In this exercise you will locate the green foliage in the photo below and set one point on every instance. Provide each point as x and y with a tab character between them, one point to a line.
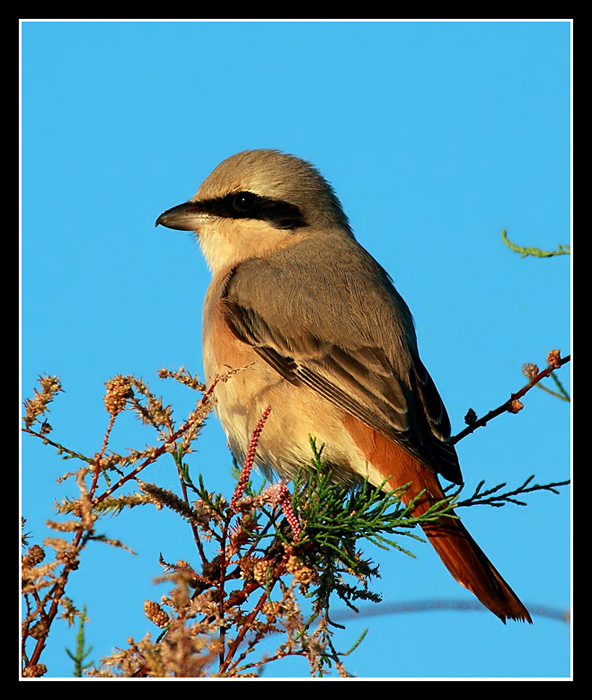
526	251
338	520
269	562
560	391
80	654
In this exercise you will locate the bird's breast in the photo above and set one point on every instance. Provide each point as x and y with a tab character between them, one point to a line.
247	385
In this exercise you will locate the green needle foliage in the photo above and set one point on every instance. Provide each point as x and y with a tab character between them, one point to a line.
268	565
80	654
338	520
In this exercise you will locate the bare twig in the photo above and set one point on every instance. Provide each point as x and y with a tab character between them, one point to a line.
157	452
415	606
513	404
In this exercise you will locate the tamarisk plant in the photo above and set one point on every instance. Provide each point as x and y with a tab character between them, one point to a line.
269	563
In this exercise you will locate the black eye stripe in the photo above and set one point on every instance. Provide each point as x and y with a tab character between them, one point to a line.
248	205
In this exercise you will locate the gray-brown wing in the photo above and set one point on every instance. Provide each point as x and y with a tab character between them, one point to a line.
360	379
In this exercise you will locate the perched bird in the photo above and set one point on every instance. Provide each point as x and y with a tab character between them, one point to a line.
328	343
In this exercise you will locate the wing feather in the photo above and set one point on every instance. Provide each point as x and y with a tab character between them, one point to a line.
359	379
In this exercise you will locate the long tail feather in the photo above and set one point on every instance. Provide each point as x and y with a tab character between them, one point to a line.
459	552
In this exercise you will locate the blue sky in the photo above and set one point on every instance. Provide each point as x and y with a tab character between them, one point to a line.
436	136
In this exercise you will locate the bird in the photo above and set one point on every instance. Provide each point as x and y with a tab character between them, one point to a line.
328	343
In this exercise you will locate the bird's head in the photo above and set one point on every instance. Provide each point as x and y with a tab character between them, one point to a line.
254	203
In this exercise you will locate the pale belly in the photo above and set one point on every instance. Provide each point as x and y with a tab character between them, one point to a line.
297	415
297	412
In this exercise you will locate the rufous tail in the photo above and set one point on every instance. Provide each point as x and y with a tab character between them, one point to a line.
459	552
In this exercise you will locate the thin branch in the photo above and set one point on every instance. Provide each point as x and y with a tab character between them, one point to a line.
157	452
493	497
513	404
415	606
526	251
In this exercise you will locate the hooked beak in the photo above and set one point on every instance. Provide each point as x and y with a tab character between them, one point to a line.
184	217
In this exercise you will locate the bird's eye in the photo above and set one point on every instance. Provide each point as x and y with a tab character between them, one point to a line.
243	201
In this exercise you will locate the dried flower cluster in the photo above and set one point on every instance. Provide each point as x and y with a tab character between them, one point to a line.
38	406
514	405
554	359
530	370
43	581
119	390
257	556
245	554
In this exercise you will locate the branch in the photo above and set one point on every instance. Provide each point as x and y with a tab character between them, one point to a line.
493	497
525	251
513	404
414	606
